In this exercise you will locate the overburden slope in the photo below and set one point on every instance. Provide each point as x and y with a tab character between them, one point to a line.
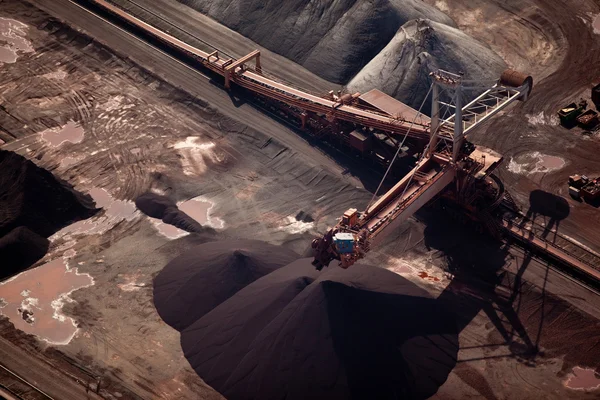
333	39
402	68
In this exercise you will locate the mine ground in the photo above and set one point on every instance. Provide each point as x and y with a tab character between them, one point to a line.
116	118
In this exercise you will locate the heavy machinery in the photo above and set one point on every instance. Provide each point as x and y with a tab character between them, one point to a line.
447	163
596	96
588	120
582	187
568	114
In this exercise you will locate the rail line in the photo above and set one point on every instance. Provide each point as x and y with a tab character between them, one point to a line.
190	34
583	262
207	44
585	280
19	388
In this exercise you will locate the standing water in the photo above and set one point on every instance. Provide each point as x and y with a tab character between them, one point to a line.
583	379
549	163
199	209
33	300
12	37
115	211
71	132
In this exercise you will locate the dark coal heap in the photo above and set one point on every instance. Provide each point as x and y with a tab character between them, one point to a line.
361	333
165	209
154	205
32	197
19	249
34	204
194	283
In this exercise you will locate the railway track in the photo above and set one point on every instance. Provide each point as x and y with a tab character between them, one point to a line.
13	386
143	12
146	12
569	257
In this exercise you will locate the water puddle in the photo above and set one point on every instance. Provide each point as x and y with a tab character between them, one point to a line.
196	155
583	379
7	55
167	230
33	300
71	132
120	209
114	212
197	208
549	163
12	40
535	162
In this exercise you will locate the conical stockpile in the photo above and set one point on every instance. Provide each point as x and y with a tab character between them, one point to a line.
197	281
295	333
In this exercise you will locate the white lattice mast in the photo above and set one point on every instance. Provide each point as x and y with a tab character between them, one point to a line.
497	95
447	82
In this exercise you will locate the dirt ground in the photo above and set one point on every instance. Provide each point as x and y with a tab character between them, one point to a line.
141	133
559	49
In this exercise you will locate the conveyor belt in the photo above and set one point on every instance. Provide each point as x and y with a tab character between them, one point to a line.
260	84
562	249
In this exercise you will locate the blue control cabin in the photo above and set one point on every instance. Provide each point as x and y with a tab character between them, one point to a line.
344	242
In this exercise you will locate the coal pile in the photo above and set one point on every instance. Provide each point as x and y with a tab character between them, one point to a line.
34	204
199	280
32	197
154	205
363	333
402	68
19	249
165	209
333	39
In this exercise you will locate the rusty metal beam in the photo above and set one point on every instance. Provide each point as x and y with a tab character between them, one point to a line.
243	60
214	54
240	62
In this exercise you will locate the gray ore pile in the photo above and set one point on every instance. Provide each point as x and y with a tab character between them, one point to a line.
34	204
256	325
390	45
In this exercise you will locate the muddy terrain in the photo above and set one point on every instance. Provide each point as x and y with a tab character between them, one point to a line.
116	119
